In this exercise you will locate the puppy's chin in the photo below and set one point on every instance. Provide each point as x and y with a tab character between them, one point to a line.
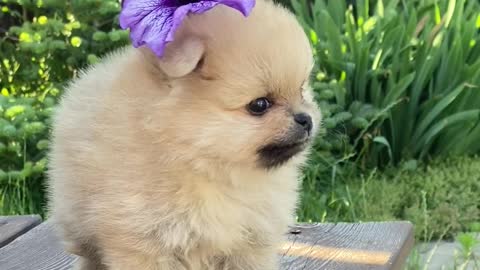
278	153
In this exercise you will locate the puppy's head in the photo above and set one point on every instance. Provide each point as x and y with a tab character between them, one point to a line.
238	88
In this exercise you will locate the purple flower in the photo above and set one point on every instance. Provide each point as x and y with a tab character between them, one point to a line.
154	22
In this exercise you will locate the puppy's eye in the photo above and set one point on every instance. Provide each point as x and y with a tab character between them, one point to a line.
259	106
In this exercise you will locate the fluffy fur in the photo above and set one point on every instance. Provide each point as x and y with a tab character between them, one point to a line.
156	164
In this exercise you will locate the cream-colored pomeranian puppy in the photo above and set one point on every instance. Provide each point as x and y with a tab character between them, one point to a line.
189	161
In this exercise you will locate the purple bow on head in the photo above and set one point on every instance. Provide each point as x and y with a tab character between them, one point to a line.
154	22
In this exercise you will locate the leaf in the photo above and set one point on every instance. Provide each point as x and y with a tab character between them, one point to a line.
468	241
343	117
337	11
360	122
25	37
450	12
380	10
42	20
329	123
435	111
361	73
425	141
42	144
100	36
438	15
399	89
333	35
382	140
8	131
14	111
76	41
410	165
5	92
313	37
301	10
115	36
92	59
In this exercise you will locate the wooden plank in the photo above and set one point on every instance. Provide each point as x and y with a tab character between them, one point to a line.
310	247
12	227
348	246
39	249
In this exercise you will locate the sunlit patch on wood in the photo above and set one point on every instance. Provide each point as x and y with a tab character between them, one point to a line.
335	254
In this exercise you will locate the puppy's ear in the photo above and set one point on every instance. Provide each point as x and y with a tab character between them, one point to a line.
180	57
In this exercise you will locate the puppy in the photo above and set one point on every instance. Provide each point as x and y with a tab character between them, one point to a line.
189	161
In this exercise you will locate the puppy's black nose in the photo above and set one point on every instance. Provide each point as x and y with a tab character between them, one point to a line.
304	120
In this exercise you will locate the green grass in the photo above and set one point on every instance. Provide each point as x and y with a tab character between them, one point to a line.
441	199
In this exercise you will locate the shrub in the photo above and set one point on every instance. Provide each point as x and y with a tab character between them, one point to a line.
47	42
396	80
23	142
43	44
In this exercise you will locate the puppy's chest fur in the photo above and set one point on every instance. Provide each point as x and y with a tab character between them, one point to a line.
217	219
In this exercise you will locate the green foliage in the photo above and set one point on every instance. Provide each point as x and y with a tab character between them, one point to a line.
468	241
48	41
43	44
23	142
398	79
441	199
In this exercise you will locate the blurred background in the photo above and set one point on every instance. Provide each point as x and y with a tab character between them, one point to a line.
398	82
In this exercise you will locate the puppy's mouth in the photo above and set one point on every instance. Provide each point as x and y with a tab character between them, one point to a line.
276	154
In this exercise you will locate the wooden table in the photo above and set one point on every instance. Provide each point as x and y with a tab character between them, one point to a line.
28	244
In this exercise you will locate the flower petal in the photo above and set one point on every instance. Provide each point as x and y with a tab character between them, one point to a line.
154	22
157	29
244	6
134	11
149	21
183	11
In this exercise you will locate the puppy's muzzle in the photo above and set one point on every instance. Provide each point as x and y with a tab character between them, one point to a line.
295	140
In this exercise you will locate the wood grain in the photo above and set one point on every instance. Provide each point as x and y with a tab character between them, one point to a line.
39	249
348	246
12	227
311	247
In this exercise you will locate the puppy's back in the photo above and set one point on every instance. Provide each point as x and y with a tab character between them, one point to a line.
93	127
